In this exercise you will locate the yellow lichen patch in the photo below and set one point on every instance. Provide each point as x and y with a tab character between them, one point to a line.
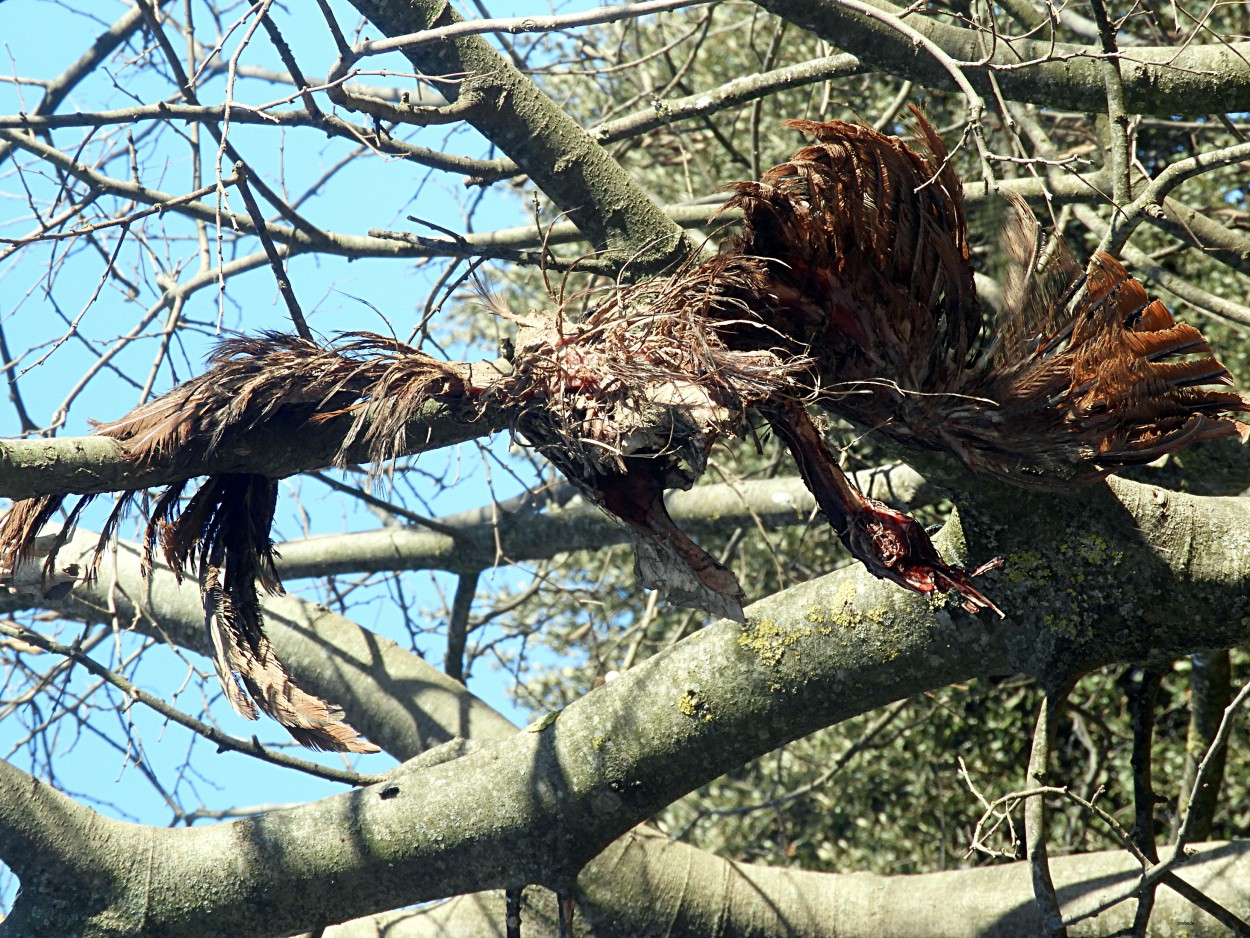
815	615
1070	626
768	641
598	743
1027	566
1094	550
692	704
878	615
543	722
844	596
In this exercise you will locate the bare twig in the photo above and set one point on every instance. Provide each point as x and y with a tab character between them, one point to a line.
1207	766
242	173
976	105
1148	203
523	24
223	741
57	90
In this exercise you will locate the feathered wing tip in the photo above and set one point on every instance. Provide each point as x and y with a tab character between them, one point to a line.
249	381
252	383
1148	373
223	531
264	380
1088	374
21	525
252	676
400	381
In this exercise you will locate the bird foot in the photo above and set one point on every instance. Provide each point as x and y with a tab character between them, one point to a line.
896	547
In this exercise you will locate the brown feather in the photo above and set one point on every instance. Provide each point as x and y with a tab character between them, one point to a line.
868	271
223	530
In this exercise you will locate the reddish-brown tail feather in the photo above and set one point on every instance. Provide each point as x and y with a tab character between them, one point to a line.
868	270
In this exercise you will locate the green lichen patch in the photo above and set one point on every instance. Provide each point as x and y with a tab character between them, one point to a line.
543	722
1028	566
1094	550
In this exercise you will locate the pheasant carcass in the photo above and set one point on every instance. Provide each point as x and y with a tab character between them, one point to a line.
849	285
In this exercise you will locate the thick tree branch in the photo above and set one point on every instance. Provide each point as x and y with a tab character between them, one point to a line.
649	885
557	152
81	465
1196	79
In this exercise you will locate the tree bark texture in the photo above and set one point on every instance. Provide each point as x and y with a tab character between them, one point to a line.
537	806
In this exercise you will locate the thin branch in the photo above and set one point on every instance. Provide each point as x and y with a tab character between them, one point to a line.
1142	695
57	90
1117	113
522	24
1207	766
1000	810
241	174
742	90
976	106
1209	681
1151	198
512	912
560	156
126	220
301	240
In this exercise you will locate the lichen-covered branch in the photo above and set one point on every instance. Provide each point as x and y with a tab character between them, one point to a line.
808	657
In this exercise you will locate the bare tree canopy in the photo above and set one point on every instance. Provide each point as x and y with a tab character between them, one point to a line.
554	348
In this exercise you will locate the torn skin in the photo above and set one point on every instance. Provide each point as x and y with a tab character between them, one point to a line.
663	551
890	544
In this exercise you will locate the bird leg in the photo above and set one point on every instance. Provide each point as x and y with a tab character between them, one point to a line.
889	543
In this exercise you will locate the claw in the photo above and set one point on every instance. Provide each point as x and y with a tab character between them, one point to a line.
896	547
